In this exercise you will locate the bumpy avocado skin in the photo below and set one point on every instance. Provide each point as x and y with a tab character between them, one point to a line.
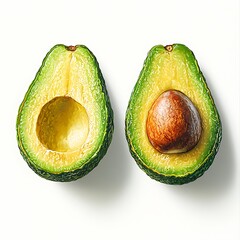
173	180
92	162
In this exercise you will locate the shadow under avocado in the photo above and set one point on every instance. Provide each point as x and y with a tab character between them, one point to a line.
107	180
217	180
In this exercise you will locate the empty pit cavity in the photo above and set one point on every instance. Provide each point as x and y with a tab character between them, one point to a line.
62	125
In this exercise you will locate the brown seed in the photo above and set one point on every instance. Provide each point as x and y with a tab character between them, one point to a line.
173	123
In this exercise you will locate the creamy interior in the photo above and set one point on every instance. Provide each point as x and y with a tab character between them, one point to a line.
62	125
171	70
62	119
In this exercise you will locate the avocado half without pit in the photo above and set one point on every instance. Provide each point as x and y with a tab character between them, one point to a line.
172	124
65	122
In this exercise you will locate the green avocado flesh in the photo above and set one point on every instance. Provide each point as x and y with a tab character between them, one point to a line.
173	67
65	122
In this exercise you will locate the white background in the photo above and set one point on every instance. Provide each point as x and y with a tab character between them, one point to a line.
117	200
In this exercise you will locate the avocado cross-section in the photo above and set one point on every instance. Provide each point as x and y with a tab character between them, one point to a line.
173	127
65	122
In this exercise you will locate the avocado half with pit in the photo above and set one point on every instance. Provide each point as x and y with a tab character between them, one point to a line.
65	122
172	124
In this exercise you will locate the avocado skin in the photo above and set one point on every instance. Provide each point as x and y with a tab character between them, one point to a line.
174	180
94	161
78	173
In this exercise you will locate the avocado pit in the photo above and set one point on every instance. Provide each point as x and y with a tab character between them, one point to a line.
62	125
173	123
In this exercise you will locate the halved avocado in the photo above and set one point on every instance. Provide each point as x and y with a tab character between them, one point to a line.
172	124
65	122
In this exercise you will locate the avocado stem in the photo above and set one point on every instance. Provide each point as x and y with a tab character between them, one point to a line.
169	48
71	48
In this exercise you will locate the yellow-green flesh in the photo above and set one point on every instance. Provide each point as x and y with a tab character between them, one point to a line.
62	125
164	70
62	119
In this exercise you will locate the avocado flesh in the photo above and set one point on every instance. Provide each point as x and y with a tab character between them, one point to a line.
164	69
65	121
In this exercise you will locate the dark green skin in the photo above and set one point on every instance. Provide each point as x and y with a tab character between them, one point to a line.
173	180
94	161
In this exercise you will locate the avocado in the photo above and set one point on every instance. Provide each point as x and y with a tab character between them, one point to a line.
173	127
65	122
